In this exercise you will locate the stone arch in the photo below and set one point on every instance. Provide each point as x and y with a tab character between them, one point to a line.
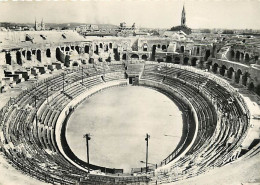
257	89
23	53
86	49
230	72
251	86
38	55
91	60
237	55
110	45
96	49
177	60
48	53
247	57
186	61
29	55
198	51
58	57
145	47
238	74
75	64
77	48
194	62
222	70
67	48
242	56
124	56
106	47
100	45
182	49
245	77
153	52
67	61
215	68
158	46
168	59
8	58
232	54
72	47
135	56
18	58
164	48
207	54
144	57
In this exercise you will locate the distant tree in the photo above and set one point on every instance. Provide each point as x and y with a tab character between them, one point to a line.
228	32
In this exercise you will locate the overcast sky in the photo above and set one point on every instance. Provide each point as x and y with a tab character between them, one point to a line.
238	14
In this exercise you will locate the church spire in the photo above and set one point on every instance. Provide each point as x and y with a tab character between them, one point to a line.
183	17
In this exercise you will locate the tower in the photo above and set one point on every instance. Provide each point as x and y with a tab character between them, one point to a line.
183	17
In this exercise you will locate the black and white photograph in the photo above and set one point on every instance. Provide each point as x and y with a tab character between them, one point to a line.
130	92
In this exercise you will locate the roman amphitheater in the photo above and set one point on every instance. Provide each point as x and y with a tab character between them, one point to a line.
200	90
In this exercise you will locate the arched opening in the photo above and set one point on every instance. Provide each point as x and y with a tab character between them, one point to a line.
198	51
242	56
62	48
168	59
237	55
237	77
18	58
222	70
208	64
77	49
48	53
144	57
215	68
96	50
158	46
247	57
251	86
164	48
145	47
75	64
256	58
232	54
58	54
29	55
106	47
177	60
38	55
8	58
101	45
124	56
207	55
67	61
110	45
257	89
230	72
91	60
86	49
186	61
153	53
182	49
67	48
194	62
134	56
23	53
245	78
72	47
116	54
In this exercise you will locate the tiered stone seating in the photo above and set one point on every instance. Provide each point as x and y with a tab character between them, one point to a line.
212	148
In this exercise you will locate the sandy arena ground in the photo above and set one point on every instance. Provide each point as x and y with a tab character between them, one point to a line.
118	120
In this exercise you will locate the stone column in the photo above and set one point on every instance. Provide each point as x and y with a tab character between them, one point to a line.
233	76
218	70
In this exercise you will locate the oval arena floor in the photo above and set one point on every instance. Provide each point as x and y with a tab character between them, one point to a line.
118	120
